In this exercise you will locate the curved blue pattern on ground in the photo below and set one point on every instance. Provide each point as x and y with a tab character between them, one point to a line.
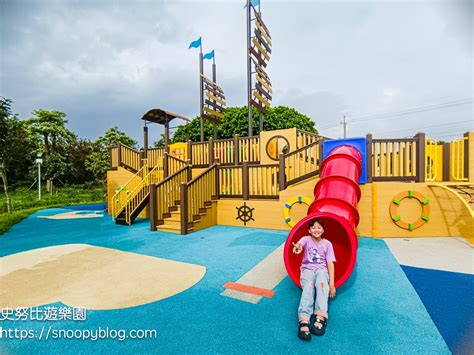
376	311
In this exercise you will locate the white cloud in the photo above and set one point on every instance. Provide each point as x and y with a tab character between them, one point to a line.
106	64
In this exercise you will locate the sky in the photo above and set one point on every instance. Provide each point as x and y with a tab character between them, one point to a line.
392	68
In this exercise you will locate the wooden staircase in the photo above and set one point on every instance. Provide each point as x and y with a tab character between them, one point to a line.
172	221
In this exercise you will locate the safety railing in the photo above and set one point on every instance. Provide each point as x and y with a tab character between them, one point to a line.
121	197
173	164
249	149
304	138
224	151
155	155
457	159
300	164
141	191
167	194
400	159
196	193
230	181
431	160
124	156
200	154
262	181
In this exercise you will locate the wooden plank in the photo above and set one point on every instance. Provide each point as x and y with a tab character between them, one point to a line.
212	97
262	91
213	113
212	83
262	24
264	33
257	105
261	99
211	119
214	105
260	48
262	41
267	81
212	92
257	56
260	80
264	75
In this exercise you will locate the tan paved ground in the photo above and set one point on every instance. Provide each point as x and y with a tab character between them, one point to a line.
82	275
448	254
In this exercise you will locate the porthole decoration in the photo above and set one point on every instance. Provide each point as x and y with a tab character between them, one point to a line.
395	205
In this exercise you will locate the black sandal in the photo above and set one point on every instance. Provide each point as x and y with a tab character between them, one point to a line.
304	334
318	325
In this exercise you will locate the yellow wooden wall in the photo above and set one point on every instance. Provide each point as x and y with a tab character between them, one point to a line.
265	136
448	215
209	220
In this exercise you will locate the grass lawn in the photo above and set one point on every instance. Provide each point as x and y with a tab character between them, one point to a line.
25	202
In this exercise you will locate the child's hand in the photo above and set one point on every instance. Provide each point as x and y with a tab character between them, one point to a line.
332	291
297	248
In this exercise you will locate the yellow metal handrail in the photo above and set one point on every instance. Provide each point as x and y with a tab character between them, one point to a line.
457	159
120	198
431	159
139	193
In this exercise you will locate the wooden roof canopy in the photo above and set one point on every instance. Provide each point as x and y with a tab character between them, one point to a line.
160	116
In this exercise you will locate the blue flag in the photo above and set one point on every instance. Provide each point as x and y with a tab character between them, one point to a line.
209	55
254	3
195	44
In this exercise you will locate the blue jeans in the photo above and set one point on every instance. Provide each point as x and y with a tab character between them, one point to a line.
311	281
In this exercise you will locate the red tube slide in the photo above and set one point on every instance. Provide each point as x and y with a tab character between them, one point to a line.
335	204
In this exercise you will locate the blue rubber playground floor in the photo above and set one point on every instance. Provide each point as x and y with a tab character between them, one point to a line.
378	310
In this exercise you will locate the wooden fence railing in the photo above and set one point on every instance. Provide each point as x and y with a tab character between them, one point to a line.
400	159
225	150
249	181
173	164
126	157
300	164
233	151
166	194
155	155
262	181
304	138
194	194
230	181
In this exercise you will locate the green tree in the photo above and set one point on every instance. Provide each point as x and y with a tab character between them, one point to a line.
235	122
98	162
17	147
77	153
54	139
50	126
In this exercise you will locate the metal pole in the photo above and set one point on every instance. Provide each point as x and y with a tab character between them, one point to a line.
214	79
201	92
39	181
249	72
344	123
